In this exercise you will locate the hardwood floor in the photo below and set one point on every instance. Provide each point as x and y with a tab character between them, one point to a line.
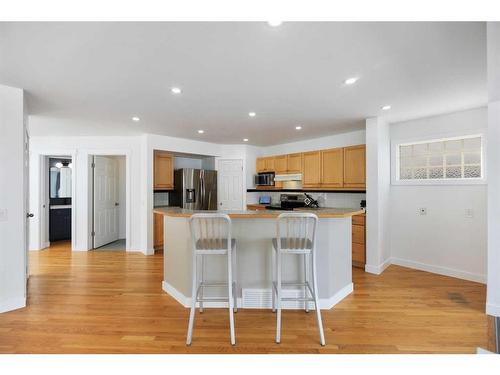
112	302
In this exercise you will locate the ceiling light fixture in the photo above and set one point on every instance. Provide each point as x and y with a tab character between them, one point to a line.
245	139
136	119
351	81
252	114
386	107
201	131
274	23
176	90
298	127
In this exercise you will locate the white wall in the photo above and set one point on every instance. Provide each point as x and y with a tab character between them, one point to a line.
444	241
332	141
12	200
493	290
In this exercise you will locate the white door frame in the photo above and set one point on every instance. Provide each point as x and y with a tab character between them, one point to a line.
128	196
243	180
41	156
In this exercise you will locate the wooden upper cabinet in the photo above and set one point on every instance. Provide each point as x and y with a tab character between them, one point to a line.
163	171
269	164
281	164
312	169
332	168
355	167
294	163
260	165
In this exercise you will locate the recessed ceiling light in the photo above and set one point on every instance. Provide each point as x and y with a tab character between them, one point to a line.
386	107
274	23
201	131
245	139
298	127
252	114
351	81
176	90
136	119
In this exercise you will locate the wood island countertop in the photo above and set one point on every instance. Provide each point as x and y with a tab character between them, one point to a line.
322	212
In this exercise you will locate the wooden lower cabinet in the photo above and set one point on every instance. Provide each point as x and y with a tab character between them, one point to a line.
256	207
158	232
358	241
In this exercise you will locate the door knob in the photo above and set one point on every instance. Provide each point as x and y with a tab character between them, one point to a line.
30	215
117	204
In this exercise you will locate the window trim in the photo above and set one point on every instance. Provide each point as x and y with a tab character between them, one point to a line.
395	162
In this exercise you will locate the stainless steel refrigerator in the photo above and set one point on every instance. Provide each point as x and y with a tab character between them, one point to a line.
194	189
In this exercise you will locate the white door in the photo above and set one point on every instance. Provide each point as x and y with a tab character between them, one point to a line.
105	200
230	184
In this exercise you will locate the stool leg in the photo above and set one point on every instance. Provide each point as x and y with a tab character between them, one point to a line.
306	280
230	299
316	302
235	278
278	292
193	301
273	279
202	279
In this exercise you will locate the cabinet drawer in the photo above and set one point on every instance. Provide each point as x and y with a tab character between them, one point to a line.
358	220
358	234
358	253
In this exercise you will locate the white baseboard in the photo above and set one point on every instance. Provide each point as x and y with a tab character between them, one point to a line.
328	303
493	310
324	303
42	246
377	270
12	304
445	271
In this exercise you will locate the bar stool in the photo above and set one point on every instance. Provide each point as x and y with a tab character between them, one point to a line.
296	235
211	235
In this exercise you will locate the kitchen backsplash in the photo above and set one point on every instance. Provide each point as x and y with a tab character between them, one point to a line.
341	200
160	198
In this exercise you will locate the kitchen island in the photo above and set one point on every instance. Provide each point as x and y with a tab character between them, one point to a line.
253	231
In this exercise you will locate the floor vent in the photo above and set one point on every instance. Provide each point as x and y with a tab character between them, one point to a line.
261	299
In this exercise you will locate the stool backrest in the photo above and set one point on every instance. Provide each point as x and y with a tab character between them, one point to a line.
296	230
210	231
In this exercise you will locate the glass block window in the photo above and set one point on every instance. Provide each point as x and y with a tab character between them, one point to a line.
443	159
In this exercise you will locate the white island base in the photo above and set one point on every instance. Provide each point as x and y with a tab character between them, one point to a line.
253	234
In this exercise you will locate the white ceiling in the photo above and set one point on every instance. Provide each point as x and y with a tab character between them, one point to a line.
91	78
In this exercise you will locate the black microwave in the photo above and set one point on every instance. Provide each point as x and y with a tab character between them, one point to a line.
264	179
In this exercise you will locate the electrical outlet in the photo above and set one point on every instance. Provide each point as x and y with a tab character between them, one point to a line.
422	211
469	212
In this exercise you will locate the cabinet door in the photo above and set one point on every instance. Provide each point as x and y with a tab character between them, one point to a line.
332	168
280	164
260	165
158	230
294	163
355	166
164	171
270	164
312	169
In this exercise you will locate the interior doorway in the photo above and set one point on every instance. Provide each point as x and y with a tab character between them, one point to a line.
59	198
109	202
